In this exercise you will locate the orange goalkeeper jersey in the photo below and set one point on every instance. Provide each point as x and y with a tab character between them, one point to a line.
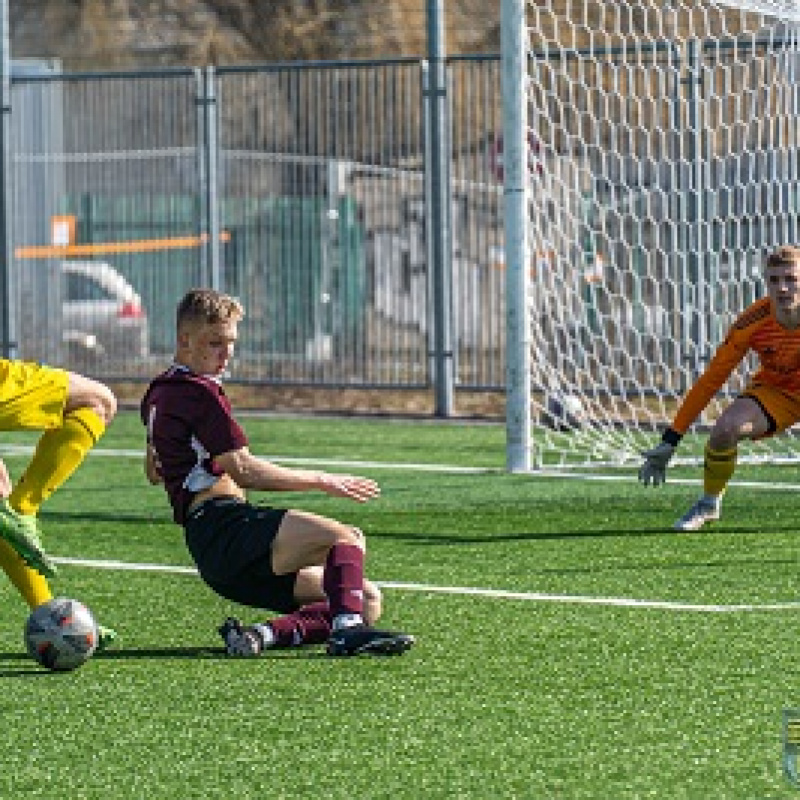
756	330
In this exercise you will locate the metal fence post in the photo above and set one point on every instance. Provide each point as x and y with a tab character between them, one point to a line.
208	163
439	216
8	312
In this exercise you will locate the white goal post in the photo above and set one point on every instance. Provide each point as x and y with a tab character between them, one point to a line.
651	160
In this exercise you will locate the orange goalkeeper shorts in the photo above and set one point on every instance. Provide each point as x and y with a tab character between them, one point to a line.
32	396
781	407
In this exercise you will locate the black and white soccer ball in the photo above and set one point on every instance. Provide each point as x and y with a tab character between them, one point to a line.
61	634
564	412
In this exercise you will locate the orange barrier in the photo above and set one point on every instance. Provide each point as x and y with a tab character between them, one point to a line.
106	248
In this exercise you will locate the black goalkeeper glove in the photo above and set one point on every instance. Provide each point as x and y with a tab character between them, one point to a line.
654	468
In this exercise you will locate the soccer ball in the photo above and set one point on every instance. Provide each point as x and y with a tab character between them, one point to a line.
61	634
564	412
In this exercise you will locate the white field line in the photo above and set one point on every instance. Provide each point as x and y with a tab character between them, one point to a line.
624	476
22	450
537	597
497	594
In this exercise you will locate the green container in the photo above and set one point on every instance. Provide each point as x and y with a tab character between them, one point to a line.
297	264
300	267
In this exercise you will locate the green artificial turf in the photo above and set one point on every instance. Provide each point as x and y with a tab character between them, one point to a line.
540	684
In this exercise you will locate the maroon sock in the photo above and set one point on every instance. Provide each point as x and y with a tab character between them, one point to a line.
316	621
343	580
310	624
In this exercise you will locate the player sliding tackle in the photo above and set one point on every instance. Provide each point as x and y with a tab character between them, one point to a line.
307	567
770	404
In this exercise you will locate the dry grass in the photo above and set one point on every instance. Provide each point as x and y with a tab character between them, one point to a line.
128	33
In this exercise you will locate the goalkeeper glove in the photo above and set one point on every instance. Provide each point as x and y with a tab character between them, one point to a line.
654	468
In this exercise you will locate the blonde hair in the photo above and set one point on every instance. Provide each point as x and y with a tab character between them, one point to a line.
208	306
785	255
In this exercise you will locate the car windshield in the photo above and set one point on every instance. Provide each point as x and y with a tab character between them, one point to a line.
82	287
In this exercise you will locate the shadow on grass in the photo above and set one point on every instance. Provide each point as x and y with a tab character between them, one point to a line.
161	652
28	671
126	654
123	654
102	516
445	539
26	668
158	652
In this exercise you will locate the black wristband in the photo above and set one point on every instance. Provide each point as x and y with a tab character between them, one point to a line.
671	437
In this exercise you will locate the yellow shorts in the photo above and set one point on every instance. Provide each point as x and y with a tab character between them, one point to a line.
783	408
32	396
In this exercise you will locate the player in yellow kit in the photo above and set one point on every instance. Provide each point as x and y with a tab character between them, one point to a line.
770	403
72	411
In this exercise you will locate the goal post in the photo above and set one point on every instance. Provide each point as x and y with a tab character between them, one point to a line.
652	158
516	189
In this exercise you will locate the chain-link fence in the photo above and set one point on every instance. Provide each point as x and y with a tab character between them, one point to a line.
300	188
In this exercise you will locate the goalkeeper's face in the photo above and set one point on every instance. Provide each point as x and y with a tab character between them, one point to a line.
783	285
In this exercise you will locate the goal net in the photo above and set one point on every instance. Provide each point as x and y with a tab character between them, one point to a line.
651	162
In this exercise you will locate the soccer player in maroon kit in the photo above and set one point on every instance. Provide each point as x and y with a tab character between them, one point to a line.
306	567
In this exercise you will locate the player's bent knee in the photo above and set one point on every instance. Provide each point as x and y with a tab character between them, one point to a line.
305	539
359	536
348	534
373	603
105	403
728	433
86	392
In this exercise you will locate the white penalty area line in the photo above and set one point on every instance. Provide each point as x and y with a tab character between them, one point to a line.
452	469
23	450
616	602
630	477
497	594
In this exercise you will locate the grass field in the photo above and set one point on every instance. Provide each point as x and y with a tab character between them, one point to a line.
570	644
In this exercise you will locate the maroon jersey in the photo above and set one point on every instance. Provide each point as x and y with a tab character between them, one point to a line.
189	422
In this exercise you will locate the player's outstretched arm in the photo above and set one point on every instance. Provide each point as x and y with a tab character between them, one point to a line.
654	466
353	487
251	472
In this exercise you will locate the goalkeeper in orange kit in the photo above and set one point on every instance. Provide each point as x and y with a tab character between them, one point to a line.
770	403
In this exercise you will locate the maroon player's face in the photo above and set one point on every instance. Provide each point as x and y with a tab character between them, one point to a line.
207	349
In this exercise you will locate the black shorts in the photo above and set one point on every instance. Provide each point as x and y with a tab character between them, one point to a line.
231	543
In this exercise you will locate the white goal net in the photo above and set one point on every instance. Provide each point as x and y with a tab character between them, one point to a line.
652	161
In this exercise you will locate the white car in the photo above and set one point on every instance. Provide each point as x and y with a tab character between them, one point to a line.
103	315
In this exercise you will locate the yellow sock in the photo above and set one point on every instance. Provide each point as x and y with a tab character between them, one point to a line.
718	467
58	454
30	584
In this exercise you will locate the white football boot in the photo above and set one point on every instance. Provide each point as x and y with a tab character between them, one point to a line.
706	509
